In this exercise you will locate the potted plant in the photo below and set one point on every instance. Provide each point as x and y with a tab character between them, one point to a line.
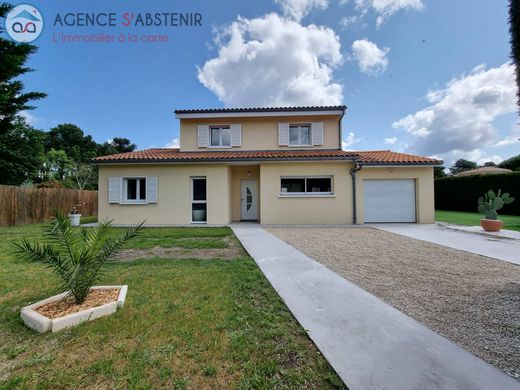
76	258
488	205
75	216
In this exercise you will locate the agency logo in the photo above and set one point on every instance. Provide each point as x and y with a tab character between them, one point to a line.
24	23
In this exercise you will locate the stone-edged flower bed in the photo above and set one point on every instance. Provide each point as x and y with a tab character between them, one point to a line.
60	312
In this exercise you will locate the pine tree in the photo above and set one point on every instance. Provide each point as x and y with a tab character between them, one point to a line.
13	56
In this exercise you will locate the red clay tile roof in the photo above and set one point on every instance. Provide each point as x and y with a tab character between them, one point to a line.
380	157
385	157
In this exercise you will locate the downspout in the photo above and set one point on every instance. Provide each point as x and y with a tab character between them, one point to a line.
340	130
353	170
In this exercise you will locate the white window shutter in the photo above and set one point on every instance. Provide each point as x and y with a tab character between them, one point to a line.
151	189
115	186
317	133
203	136
283	134
236	134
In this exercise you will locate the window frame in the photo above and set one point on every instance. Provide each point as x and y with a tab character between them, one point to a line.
300	126
220	144
308	193
193	201
137	200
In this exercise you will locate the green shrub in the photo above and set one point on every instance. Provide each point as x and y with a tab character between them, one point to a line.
458	193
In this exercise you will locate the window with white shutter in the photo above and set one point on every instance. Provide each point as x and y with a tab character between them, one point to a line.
151	189
317	133
283	134
114	189
203	136
236	134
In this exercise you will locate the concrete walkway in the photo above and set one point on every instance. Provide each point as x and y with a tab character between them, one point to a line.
494	246
370	344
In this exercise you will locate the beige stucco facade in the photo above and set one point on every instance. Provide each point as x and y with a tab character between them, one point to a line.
307	209
173	205
260	133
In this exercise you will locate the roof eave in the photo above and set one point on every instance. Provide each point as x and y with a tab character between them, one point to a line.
260	112
220	160
388	164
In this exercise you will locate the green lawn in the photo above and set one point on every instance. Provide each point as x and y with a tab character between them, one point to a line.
196	323
511	222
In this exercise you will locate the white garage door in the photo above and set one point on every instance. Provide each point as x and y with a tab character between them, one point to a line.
389	200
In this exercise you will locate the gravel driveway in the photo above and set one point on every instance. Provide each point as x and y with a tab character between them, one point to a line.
470	299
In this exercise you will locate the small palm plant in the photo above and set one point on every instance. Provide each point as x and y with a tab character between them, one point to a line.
76	256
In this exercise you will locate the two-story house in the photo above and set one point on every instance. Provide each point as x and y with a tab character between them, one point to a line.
271	165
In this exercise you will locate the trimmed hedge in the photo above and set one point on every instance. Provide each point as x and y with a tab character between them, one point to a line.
460	193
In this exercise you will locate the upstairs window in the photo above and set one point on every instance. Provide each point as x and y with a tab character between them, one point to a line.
300	135
134	189
306	185
220	136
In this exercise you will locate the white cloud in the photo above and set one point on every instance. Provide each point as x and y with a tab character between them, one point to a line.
390	141
272	61
496	159
346	21
513	138
298	9
371	59
350	140
509	140
30	118
460	116
386	8
174	143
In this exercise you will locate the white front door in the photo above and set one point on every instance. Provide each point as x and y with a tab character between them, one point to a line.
248	200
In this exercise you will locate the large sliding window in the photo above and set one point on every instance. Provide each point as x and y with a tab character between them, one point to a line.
306	185
198	200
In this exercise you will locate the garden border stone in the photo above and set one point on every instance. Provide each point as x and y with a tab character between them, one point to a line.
42	324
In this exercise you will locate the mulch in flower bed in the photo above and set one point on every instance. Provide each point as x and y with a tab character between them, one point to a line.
67	305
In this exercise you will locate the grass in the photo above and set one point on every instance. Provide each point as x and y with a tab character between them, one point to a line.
511	222
88	219
185	324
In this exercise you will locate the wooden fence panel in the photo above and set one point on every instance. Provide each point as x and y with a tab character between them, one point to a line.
21	205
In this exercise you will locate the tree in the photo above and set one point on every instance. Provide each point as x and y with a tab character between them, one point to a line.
13	56
58	164
71	139
439	172
21	153
489	164
82	174
512	163
76	256
116	145
462	165
514	29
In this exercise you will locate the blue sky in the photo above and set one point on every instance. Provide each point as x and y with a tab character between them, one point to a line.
419	76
